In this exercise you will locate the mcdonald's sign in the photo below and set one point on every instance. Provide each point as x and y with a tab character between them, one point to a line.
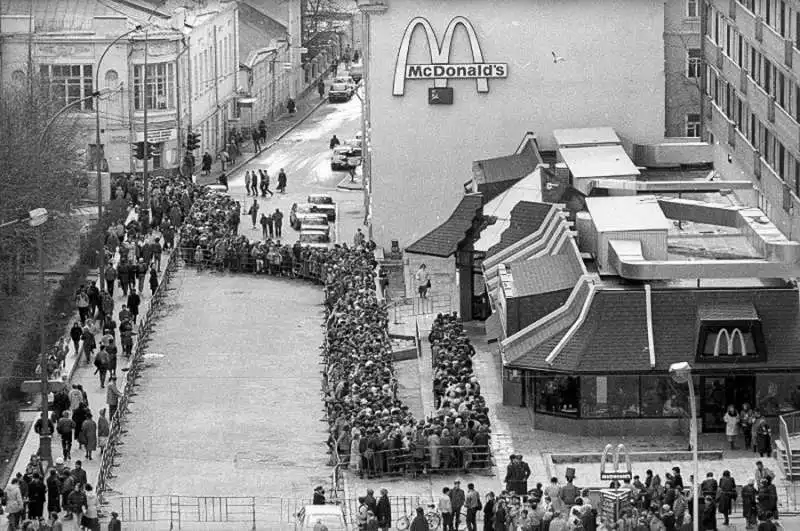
616	473
730	342
440	70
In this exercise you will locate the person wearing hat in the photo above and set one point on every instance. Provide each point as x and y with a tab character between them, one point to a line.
319	496
114	524
749	507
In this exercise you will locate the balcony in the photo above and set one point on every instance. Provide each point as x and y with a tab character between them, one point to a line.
783	125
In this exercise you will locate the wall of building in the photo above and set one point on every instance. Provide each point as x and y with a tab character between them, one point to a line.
681	34
442	272
422	154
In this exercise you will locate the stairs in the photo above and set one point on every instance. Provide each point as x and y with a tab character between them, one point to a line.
793	473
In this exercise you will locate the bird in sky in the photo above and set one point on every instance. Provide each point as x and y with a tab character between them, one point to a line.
557	59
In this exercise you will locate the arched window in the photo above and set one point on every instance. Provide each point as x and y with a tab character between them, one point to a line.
18	76
112	78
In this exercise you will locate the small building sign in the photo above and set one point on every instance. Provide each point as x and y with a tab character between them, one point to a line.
158	135
440	96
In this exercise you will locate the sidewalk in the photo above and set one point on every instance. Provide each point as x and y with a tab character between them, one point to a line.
78	372
276	130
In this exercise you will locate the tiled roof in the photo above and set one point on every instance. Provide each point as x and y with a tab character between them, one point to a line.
545	274
506	168
63	15
526	218
443	240
727	311
613	337
256	29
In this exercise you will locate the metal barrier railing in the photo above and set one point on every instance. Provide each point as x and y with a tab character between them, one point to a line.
405	307
413	461
134	369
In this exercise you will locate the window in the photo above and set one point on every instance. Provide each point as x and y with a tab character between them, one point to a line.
65	84
662	397
691	8
777	393
557	395
693	125
609	396
160	90
694	62
731	342
158	153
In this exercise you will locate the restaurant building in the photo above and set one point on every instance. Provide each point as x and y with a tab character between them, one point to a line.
453	82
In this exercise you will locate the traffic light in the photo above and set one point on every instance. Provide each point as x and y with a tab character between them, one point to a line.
192	141
152	150
139	150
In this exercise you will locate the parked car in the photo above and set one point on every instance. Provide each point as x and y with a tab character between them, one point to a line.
345	157
302	210
315	222
324	203
318	239
331	517
339	92
357	71
347	80
356	140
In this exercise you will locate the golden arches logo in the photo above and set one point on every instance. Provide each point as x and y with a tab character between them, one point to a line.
440	69
616	473
730	341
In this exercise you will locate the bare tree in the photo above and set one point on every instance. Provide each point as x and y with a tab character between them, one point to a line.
324	15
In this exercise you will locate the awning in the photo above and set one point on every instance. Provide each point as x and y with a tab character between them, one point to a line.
443	241
246	102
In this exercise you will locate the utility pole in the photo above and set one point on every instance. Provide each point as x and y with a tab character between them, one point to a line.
145	180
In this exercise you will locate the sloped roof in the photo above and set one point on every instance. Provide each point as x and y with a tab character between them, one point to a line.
506	168
257	30
526	218
443	240
727	311
613	337
275	9
67	15
545	274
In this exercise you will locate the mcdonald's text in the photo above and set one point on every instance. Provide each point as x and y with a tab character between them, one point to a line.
457	71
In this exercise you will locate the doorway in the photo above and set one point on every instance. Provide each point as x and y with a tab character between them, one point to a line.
721	391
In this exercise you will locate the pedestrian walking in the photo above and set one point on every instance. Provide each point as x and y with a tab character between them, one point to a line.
223	180
256	141
133	304
114	524
90	520
457	500
445	507
89	344
157	251
37	495
53	486
75	333
727	495
141	273
358	238
122	275
277	220
103	431
263	222
82	302
265	183
334	142
207	161
113	395
248	181
89	433
423	281
153	280
282	181
110	275
321	90
383	511
101	365
473	504
253	212
93	293
15	505
731	419
224	158
65	428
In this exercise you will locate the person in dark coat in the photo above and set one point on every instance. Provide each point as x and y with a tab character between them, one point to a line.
207	161
78	416
36	496
500	517
726	495
709	516
488	512
53	492
419	523
764	440
75	334
768	498
153	279
749	507
384	511
282	181
133	304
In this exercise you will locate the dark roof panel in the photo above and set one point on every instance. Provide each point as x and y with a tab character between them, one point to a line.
526	218
545	274
506	168
727	311
443	240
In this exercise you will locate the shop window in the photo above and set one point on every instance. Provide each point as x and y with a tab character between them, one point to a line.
662	397
557	395
609	396
731	342
777	393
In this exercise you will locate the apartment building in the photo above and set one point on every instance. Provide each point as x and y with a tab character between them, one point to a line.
751	107
682	68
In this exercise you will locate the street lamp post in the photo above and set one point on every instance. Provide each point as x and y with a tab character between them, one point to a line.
682	373
101	256
37	219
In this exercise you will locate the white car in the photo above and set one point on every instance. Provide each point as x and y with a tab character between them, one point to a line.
315	222
317	239
347	80
356	140
323	203
330	516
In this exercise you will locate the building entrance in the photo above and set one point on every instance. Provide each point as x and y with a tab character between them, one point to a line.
721	391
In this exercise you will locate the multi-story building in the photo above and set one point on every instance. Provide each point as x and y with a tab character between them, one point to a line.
751	106
682	68
429	115
189	54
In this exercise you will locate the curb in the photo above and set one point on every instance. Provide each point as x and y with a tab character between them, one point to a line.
277	139
348	186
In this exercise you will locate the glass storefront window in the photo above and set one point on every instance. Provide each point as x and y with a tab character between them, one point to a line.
662	397
777	393
609	396
557	395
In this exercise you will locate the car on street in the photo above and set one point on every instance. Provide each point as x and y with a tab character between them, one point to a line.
301	211
331	517
315	222
357	71
347	80
324	203
339	92
318	239
356	140
346	157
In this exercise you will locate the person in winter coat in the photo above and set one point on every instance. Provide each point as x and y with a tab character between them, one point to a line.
153	279
37	494
253	212
749	507
89	343
282	181
384	511
78	417
101	365
708	519
419	523
123	275
103	431
767	498
141	273
207	161
89	435
82	302
731	420
133	304
65	428
75	334
726	495
53	492
15	505
763	435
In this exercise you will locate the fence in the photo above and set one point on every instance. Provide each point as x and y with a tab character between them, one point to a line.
134	369
406	307
426	459
249	512
290	266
